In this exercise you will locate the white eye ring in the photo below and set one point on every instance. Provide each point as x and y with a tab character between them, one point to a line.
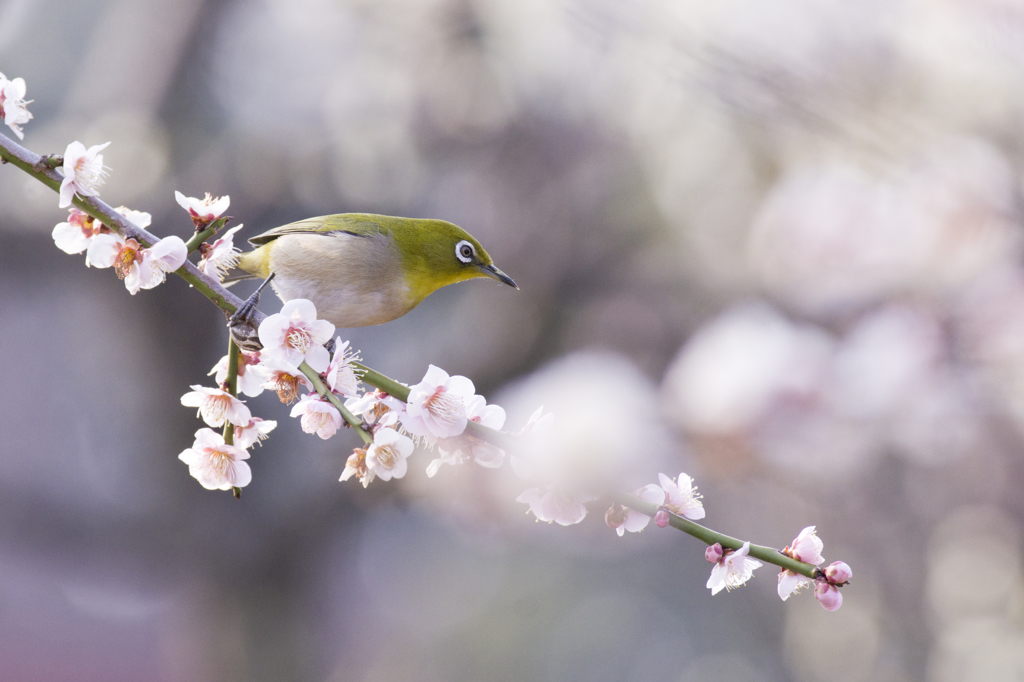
464	251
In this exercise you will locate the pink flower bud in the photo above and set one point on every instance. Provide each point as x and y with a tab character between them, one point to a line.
713	553
838	573
661	518
615	516
827	595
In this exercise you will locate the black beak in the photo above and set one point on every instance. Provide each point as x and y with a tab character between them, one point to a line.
497	274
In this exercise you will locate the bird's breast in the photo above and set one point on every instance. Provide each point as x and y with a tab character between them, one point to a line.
354	281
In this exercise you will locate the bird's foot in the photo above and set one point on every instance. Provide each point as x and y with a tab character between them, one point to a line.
240	324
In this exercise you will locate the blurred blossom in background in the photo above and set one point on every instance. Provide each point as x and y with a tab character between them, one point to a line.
775	245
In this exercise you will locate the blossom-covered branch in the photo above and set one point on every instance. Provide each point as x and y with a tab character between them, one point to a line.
296	350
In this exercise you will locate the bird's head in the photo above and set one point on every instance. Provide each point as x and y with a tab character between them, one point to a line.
436	253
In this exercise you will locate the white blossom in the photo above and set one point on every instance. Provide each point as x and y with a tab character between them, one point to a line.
318	415
681	497
387	456
83	172
203	211
295	335
216	406
436	406
13	107
216	465
220	256
732	570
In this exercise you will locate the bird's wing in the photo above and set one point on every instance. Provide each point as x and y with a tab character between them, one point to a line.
355	224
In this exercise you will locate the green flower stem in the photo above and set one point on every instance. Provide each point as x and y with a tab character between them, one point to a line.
710	537
202	235
322	389
232	382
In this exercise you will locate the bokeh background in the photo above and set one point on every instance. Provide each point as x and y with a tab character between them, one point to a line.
776	245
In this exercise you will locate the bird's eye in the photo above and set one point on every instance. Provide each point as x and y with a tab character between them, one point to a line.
464	251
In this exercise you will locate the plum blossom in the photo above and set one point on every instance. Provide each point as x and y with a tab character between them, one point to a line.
252	376
220	256
76	234
631	519
318	416
139	268
828	595
436	406
387	456
295	335
13	107
713	553
805	547
341	375
838	573
84	172
203	211
661	518
556	503
681	497
733	569
826	587
247	435
216	465
465	448
216	406
374	406
283	378
355	465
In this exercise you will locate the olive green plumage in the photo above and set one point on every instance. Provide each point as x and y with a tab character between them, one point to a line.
360	269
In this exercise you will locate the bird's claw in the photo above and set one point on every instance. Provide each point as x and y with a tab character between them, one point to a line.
240	324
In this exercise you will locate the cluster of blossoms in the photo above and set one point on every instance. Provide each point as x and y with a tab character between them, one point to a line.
13	107
732	567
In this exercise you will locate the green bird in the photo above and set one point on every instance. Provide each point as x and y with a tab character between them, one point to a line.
360	269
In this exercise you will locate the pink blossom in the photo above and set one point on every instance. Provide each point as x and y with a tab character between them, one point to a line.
295	335
220	256
387	456
77	233
466	448
203	211
436	406
732	570
661	518
355	465
13	107
216	406
83	172
283	378
838	573
139	268
681	498
556	503
635	521
806	547
318	416
252	376
214	464
341	376
827	594
713	553
375	405
246	435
